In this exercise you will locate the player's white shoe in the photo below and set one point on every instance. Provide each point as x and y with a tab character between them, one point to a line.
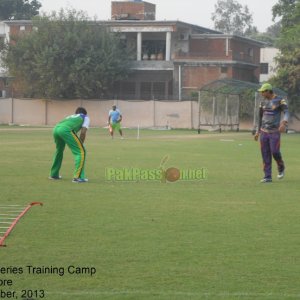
280	175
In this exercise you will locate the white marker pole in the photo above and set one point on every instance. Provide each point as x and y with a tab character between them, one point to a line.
138	132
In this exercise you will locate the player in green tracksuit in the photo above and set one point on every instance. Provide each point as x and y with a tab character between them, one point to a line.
65	132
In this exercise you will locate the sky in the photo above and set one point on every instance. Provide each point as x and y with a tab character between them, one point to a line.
197	12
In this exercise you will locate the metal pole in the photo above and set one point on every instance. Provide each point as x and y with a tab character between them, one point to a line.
192	119
179	80
199	111
255	112
214	110
12	110
238	114
46	112
226	111
153	113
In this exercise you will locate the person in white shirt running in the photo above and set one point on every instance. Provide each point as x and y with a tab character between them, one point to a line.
114	121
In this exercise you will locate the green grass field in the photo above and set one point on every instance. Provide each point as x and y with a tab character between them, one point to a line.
225	237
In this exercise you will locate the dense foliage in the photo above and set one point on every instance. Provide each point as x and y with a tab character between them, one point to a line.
18	9
232	18
66	56
269	37
288	62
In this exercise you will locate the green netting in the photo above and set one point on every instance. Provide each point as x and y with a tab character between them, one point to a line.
223	102
234	87
218	111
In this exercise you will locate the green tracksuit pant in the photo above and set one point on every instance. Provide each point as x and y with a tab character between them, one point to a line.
63	136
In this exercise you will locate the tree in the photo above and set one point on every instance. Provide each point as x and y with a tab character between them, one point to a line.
269	37
18	9
67	56
288	62
286	10
232	18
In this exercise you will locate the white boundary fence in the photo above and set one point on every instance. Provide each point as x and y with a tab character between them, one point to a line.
145	114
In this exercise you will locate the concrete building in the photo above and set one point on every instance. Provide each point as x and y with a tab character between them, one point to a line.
132	10
8	29
173	59
267	63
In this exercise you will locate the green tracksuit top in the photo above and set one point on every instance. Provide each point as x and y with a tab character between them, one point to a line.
72	122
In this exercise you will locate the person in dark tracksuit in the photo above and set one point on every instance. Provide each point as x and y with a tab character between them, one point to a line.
270	127
65	132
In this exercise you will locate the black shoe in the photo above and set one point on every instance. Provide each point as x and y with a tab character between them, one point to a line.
55	177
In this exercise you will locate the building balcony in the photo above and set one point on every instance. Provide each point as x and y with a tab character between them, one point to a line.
214	55
154	65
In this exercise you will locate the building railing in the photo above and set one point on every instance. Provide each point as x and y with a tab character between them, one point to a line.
214	55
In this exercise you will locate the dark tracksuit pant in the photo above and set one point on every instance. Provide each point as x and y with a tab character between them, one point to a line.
270	147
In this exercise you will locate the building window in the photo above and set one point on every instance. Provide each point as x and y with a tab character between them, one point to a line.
128	90
153	47
22	28
159	90
146	91
224	70
250	52
264	68
1	43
